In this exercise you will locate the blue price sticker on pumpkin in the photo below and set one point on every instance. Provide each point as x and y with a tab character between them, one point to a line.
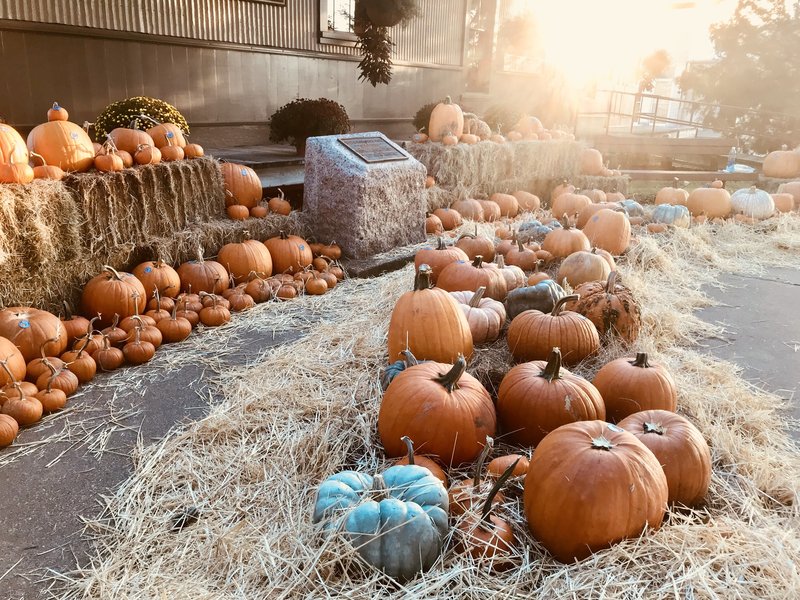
170	134
302	247
244	171
24	324
74	135
148	269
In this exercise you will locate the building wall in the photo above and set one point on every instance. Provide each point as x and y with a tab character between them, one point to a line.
221	62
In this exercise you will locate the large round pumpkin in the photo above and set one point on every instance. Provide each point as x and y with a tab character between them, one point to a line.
242	184
438	258
532	334
466	276
539	396
203	276
569	204
680	449
113	292
449	217
591	484
15	365
711	202
782	164
12	146
167	134
469	209
491	210
582	266
591	162
30	330
630	385
674	195
609	230
62	144
290	253
246	260
446	411
428	322
474	245
509	205
158	275
564	241
446	119
129	139
527	202
587	213
753	203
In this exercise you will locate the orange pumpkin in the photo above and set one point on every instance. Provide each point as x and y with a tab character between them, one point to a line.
129	139
446	119
782	164
193	151
569	204
712	202
438	258
563	241
532	334
783	202
582	266
12	146
491	210
33	332
465	276
112	293
166	134
158	276
246	260
203	276
610	230
673	195
629	385
16	173
611	307
279	205
428	322
63	144
433	225
459	413
591	162
509	206
527	202
449	217
469	209
290	253
242	183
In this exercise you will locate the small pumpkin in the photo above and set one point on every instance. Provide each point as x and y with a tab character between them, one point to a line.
446	411
677	216
193	151
280	205
527	202
491	210
485	316
514	276
632	208
9	429
45	171
591	162
569	204
449	217
541	296
564	241
428	322
509	205
497	466
473	245
138	351
23	408
107	357
175	328
533	334
791	187
783	202
147	154
421	461
568	503
237	212
130	139
712	202
522	257
21	173
469	209
629	385
433	225
680	449
781	164
562	188
465	276
466	494
672	195
203	275
538	397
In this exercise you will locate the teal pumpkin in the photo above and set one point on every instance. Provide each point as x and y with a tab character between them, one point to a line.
393	370
542	297
397	521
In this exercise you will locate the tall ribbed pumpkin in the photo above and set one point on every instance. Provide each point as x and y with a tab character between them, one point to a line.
12	146
62	144
446	119
591	484
241	184
428	322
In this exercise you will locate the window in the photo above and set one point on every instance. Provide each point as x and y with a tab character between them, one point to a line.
337	21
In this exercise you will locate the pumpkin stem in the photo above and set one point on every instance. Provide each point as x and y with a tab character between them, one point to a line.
601	443
560	304
67	311
654	428
641	360
147	118
409	448
40	157
284	236
423	279
476	476
450	379
611	283
379	491
442	245
476	297
500	261
489	502
447	100
114	273
552	370
521	247
4	364
41	347
477	261
50	366
410	359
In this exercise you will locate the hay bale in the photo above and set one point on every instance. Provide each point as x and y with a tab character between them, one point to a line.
40	243
133	206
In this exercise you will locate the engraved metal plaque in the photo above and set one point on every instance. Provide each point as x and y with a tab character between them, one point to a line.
373	149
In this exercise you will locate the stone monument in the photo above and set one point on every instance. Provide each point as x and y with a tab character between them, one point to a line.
364	192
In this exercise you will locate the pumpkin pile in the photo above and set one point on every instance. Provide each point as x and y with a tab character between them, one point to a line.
587	462
59	146
126	317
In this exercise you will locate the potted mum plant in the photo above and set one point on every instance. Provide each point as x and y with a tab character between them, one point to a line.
301	119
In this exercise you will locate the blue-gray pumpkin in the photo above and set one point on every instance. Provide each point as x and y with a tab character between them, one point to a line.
532	231
394	369
632	208
542	297
397	521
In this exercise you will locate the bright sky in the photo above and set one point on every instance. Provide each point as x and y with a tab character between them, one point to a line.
605	41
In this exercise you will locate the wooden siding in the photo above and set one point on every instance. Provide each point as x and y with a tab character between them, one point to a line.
213	86
436	38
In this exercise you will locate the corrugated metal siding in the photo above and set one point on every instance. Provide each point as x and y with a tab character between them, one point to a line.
436	38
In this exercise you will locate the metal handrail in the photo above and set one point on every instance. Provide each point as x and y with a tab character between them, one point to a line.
695	108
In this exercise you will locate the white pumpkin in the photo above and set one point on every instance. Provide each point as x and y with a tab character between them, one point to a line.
753	202
677	216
